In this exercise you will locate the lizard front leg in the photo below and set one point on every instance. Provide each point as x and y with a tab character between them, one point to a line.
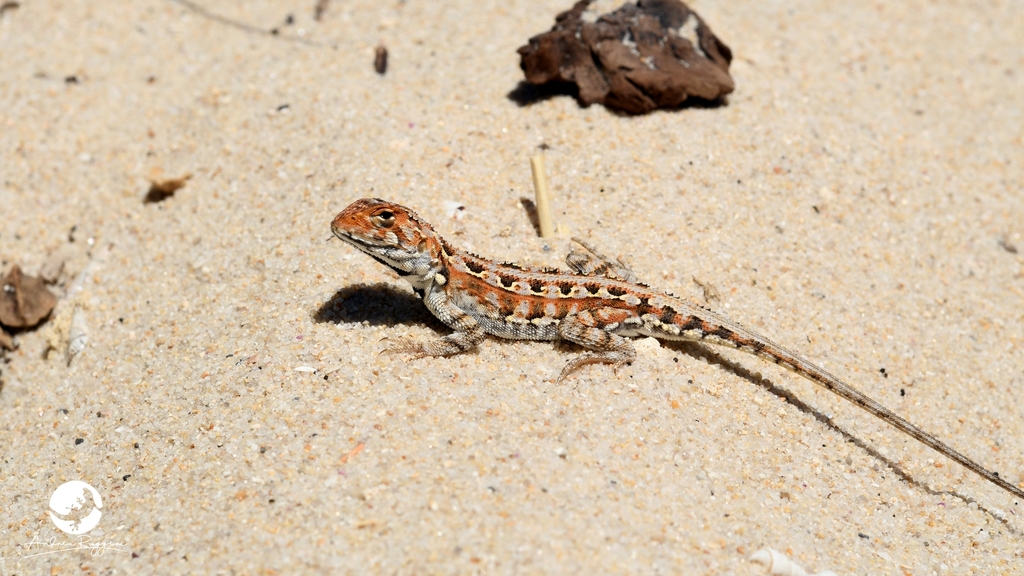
468	332
590	262
592	329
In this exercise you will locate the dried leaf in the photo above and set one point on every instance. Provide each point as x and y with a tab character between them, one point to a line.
643	56
161	189
24	300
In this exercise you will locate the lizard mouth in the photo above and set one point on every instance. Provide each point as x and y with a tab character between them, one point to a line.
360	243
372	250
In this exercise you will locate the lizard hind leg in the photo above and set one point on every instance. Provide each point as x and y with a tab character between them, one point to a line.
592	329
590	262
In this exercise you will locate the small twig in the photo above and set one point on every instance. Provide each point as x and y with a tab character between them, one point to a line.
359	448
540	188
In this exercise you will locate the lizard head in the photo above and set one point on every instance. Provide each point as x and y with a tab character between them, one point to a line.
390	234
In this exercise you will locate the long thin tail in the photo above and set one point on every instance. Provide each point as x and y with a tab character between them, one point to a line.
830	382
723	331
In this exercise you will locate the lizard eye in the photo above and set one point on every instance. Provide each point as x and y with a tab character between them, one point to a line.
384	219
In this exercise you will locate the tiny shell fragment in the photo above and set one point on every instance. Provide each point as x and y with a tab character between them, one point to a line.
779	565
78	335
454	210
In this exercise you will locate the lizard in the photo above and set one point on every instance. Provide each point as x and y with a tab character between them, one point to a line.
597	304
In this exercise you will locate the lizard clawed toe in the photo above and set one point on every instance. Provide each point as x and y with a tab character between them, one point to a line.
403	345
587	359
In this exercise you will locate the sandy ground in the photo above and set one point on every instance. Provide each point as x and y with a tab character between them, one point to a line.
859	199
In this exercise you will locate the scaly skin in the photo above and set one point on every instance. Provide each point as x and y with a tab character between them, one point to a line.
598	305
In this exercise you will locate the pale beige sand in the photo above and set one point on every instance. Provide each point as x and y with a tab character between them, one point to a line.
850	202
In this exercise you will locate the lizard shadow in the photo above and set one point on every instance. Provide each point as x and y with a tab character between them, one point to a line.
377	304
698	351
383	304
